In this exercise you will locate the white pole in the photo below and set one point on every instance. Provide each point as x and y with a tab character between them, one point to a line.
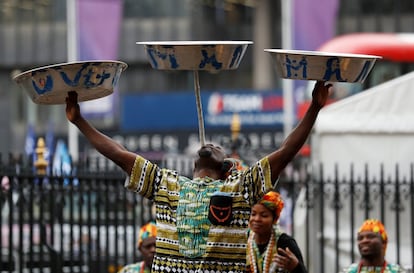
199	109
287	21
72	51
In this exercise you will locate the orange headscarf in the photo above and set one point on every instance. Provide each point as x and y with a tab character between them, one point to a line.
146	231
375	226
274	202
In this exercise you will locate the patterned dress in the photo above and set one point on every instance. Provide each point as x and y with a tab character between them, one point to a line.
389	268
186	239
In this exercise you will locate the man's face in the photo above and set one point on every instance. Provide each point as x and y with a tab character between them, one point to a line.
147	249
370	244
210	157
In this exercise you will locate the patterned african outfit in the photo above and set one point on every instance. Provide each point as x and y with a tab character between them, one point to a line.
186	239
389	268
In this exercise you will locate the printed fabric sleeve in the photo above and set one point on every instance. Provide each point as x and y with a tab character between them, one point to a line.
144	178
257	180
400	268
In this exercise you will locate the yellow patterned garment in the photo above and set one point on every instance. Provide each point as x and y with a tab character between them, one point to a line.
186	240
389	268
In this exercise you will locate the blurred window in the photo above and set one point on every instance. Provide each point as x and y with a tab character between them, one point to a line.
351	7
15	11
156	8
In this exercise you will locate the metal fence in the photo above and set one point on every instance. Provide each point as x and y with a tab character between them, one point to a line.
328	213
82	223
88	222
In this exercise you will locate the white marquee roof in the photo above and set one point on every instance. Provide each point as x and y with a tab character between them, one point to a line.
385	108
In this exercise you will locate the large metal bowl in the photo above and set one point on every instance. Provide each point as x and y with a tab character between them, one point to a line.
90	79
211	56
325	66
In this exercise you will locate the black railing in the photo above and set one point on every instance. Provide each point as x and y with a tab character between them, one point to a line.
82	223
89	222
328	212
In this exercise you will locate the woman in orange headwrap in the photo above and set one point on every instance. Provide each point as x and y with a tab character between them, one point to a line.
372	241
268	249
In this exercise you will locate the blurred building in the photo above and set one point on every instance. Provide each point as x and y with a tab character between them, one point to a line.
33	33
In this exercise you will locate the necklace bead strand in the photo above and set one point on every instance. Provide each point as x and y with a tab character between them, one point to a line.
254	253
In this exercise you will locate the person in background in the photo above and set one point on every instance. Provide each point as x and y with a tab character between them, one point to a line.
372	242
146	245
202	220
268	248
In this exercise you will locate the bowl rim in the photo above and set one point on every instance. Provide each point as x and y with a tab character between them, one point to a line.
193	43
321	53
26	73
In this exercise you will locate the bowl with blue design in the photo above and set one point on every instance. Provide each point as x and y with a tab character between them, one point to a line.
90	79
322	66
212	56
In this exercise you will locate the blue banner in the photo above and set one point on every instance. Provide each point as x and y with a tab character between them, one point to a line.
178	111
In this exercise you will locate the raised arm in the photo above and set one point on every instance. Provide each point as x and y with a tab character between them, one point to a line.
292	144
102	143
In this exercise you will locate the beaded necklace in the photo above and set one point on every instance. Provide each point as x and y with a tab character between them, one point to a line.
255	257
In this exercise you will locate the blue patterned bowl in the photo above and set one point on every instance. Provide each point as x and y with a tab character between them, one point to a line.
90	79
211	56
325	66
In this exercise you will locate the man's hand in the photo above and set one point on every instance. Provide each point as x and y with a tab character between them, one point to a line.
320	93
72	107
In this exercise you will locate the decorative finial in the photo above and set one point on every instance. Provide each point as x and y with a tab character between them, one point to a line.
41	163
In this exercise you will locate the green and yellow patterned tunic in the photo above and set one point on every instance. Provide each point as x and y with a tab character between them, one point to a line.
186	240
388	268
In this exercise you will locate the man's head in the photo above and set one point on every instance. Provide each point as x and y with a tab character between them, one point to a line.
213	161
146	242
210	157
372	239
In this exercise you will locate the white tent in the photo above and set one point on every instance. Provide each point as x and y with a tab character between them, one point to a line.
368	129
372	128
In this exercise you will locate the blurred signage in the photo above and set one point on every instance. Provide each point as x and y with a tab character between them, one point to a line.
158	143
178	111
